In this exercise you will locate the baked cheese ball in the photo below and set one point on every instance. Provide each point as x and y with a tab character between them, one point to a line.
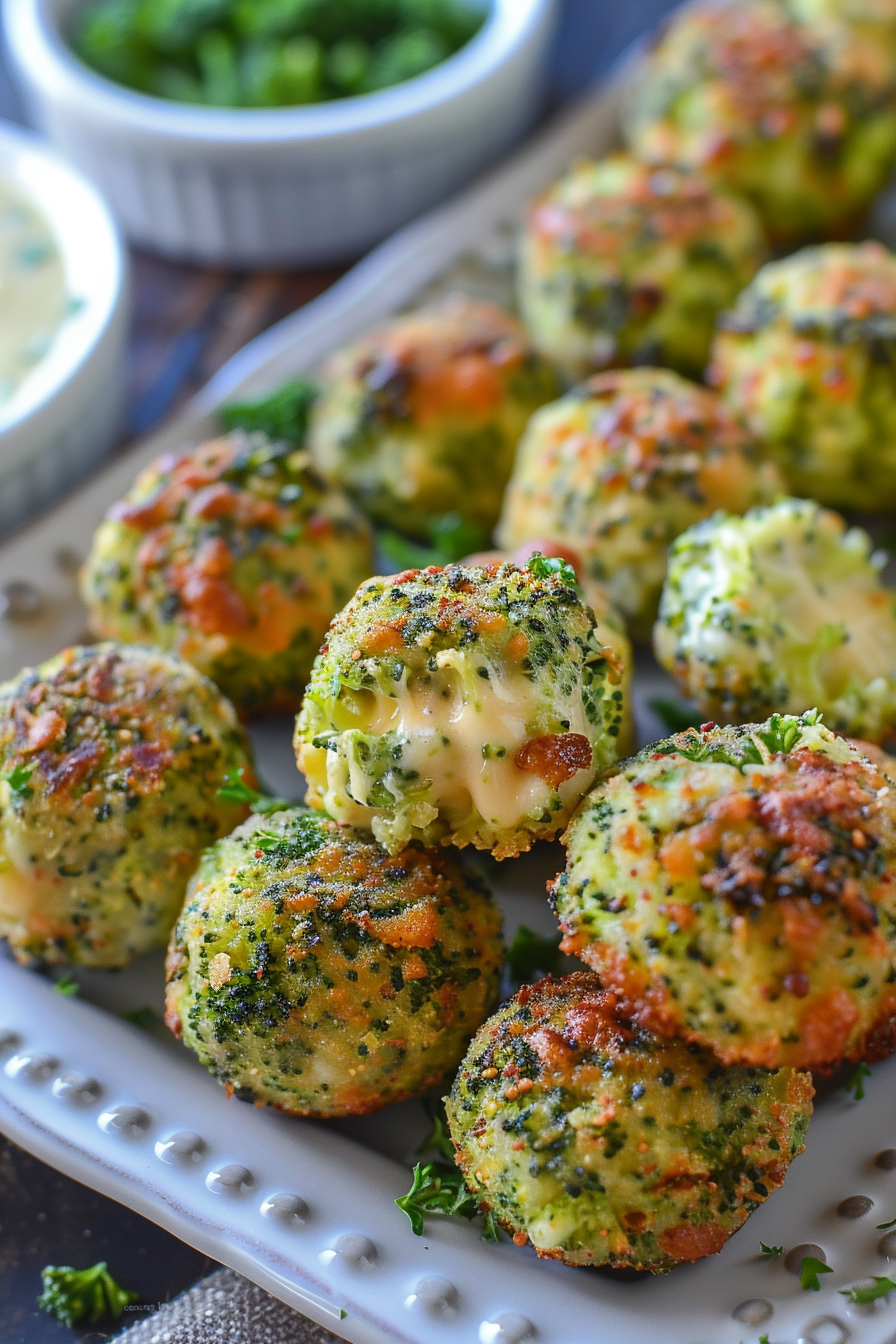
806	358
461	706
421	418
234	555
603	1144
798	117
736	887
311	971
619	467
782	609
110	762
626	263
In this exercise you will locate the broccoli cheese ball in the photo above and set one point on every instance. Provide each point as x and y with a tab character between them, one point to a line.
312	972
463	706
604	1145
799	117
234	555
623	464
736	887
422	417
110	762
625	263
782	609
807	357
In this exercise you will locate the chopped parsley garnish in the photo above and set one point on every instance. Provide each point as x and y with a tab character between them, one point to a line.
529	952
773	1251
19	781
810	1269
67	985
856	1084
438	1188
674	714
545	566
881	1286
282	415
236	790
450	539
74	1295
885	1227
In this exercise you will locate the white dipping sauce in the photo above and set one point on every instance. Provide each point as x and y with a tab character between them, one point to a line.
33	296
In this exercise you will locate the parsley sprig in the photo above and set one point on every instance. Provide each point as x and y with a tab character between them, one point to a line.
885	1227
67	985
438	1188
236	790
880	1287
773	1251
73	1295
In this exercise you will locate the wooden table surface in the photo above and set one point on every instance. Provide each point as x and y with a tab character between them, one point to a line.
187	323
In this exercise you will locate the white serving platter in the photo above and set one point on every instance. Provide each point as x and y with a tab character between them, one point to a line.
304	1209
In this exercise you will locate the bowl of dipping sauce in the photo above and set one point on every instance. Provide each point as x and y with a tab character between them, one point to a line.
63	316
308	184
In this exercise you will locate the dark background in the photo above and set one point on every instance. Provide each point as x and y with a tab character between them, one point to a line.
187	324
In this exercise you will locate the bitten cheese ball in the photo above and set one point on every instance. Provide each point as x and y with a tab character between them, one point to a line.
807	358
736	887
782	609
110	762
623	464
235	556
461	706
604	1145
626	263
311	971
421	417
799	117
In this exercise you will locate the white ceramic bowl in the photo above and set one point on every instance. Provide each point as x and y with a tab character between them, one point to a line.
288	186
63	417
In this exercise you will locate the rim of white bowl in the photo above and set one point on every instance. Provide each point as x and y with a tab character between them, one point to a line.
34	33
93	261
